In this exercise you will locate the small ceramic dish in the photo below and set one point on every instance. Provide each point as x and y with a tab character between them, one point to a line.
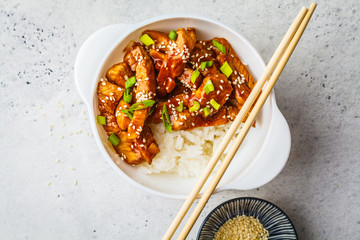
260	158
272	217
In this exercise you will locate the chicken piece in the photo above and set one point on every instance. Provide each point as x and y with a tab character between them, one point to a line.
145	75
187	120
127	150
158	58
182	120
145	90
122	119
185	79
208	48
200	54
171	104
179	89
221	93
111	124
217	119
119	73
129	58
108	96
240	78
146	144
138	150
177	55
161	40
232	111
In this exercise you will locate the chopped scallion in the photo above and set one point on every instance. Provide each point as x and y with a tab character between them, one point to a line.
219	46
206	111
166	119
101	120
226	69
195	107
172	35
127	96
204	65
114	140
209	87
194	76
214	104
130	82
147	40
146	103
130	114
152	109
180	107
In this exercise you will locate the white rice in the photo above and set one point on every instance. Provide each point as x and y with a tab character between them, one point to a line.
185	153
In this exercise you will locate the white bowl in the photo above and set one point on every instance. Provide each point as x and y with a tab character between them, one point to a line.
260	158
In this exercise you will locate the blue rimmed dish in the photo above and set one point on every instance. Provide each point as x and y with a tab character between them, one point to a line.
272	217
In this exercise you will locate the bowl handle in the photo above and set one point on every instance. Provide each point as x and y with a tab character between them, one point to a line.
92	52
273	160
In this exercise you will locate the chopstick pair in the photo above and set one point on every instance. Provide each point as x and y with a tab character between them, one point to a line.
278	60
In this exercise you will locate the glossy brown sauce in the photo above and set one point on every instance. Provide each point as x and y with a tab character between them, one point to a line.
163	72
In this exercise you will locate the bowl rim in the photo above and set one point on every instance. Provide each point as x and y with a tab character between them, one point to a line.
129	28
244	198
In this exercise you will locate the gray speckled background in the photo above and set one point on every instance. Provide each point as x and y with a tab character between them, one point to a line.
318	93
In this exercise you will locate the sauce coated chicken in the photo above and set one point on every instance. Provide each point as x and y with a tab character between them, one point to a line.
171	79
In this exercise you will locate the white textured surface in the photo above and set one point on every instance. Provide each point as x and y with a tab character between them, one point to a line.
318	93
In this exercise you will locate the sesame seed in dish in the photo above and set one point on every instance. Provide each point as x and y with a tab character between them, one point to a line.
242	228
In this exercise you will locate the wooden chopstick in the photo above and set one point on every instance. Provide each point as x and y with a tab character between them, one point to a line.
244	130
254	94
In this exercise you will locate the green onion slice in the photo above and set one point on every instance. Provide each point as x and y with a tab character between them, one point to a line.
209	87
147	103
152	109
114	140
172	35
226	69
130	82
147	40
204	65
166	119
180	107
206	111
219	46
195	107
127	95
194	76
101	120
214	104
130	114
